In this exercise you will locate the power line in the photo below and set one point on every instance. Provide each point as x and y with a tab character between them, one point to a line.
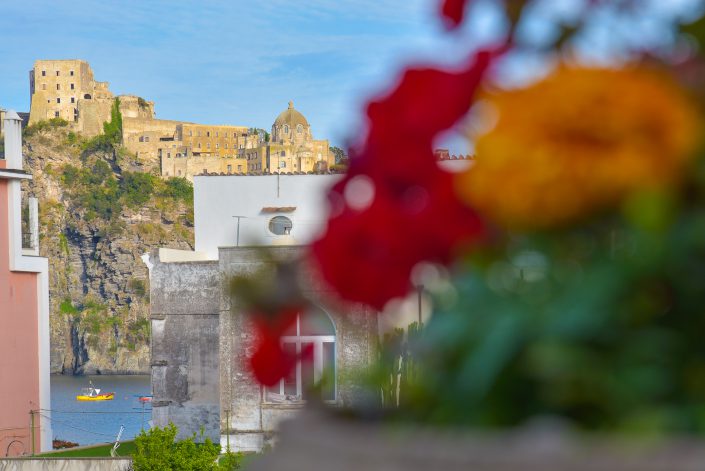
88	412
74	427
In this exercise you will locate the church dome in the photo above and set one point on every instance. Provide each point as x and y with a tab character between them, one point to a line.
291	117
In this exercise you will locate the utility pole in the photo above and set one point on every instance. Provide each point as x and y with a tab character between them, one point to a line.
419	290
31	429
227	428
237	243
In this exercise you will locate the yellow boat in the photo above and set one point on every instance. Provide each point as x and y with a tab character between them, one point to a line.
93	394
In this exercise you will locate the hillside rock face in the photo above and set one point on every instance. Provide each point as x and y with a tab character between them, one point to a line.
100	211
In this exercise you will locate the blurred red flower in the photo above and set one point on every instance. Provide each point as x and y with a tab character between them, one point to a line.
411	213
452	11
270	363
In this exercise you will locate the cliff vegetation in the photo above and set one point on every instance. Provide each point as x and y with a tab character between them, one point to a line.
101	210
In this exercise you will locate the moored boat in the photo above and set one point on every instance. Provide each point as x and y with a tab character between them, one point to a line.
93	394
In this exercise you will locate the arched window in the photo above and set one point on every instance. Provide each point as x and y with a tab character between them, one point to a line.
299	129
87	96
313	329
286	129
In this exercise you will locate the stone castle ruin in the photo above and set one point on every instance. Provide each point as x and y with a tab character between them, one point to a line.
67	89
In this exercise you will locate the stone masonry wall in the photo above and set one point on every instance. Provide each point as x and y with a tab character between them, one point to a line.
185	330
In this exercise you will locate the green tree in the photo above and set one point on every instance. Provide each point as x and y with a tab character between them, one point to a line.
340	156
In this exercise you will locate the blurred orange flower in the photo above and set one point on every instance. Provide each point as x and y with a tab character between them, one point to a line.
580	140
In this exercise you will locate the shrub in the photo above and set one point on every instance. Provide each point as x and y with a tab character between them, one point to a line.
97	143
138	331
67	307
113	129
41	126
157	450
137	286
137	188
69	175
178	189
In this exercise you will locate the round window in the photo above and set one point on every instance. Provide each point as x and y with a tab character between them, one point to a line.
280	225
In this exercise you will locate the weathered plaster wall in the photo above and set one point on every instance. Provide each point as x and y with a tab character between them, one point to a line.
253	421
184	315
66	464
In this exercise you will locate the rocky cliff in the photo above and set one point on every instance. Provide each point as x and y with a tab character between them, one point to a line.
100	211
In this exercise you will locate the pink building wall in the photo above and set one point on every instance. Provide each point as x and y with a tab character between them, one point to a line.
19	349
24	313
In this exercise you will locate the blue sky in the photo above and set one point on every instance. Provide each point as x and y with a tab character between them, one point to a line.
224	62
237	62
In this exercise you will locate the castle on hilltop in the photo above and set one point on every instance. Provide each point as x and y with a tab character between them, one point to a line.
67	89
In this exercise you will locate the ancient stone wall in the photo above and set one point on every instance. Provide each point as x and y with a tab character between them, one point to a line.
92	114
56	88
144	136
188	167
185	329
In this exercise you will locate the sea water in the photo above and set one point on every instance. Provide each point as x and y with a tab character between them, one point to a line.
98	421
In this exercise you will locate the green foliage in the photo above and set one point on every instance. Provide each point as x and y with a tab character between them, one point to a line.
138	332
126	449
230	461
98	143
97	189
137	188
179	189
157	450
396	366
598	324
113	129
64	244
94	317
41	126
100	192
112	133
67	307
340	156
137	286
71	138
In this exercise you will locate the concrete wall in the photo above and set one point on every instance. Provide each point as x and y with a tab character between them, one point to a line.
185	301
218	198
66	464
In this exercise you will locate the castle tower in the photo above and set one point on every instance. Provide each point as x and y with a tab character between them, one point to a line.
58	86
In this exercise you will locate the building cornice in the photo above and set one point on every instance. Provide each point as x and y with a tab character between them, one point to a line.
14	174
